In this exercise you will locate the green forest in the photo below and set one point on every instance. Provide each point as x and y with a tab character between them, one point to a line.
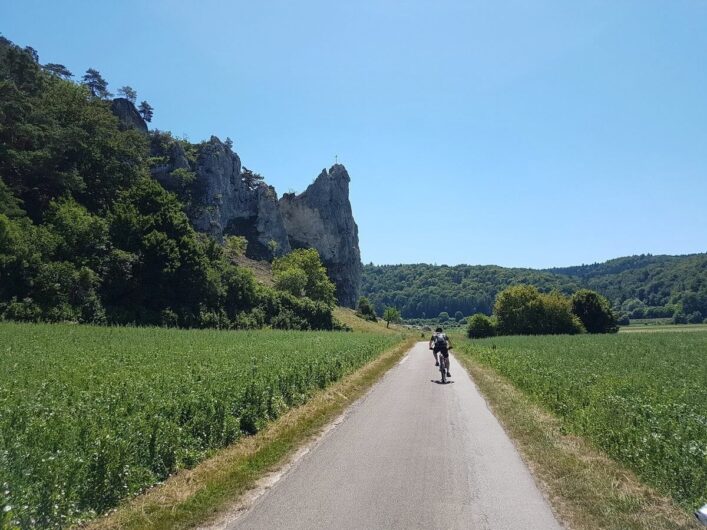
637	287
87	235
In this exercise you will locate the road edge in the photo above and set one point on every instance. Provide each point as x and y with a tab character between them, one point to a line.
202	494
585	488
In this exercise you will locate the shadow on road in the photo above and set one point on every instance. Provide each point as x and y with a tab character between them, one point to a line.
440	382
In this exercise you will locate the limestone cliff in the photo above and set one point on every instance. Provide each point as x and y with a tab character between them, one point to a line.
233	207
127	114
321	218
220	201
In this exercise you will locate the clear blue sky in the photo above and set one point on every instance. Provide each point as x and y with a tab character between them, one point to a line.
515	133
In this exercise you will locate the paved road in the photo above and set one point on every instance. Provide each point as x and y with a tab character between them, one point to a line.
411	454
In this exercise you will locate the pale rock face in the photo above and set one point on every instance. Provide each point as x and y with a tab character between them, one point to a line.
233	208
127	114
321	218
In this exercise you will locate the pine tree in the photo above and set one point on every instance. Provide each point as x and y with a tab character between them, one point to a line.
58	70
145	110
96	84
128	93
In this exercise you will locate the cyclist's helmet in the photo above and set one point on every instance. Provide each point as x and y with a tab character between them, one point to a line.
438	330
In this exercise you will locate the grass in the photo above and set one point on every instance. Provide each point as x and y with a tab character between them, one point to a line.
587	490
91	415
196	496
640	398
652	328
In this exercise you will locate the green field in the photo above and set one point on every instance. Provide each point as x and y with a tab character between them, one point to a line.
642	398
91	415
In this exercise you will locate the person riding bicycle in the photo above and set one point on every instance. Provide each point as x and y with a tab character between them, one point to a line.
440	343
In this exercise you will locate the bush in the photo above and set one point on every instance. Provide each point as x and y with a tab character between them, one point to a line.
679	318
365	310
523	310
594	312
623	320
480	326
694	318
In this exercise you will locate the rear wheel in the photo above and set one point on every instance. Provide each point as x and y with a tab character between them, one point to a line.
443	371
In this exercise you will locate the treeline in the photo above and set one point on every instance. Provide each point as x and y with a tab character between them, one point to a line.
86	235
424	291
636	287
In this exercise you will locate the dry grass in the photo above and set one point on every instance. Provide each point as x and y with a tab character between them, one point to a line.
586	489
262	270
195	496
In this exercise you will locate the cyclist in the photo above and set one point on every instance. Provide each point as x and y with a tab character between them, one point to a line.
440	343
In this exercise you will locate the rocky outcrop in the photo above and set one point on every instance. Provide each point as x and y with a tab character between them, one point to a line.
321	218
230	206
128	115
220	201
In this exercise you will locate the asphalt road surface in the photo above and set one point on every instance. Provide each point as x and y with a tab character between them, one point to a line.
412	453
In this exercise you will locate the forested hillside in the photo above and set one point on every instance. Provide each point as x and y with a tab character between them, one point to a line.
639	286
87	235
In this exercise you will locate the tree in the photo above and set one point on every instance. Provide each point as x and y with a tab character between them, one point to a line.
234	247
293	281
146	111
365	309
228	143
128	93
391	315
58	70
523	310
318	286
594	312
443	317
95	83
32	53
250	178
480	326
458	316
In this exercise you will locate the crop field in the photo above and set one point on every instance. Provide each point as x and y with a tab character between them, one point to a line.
641	397
91	415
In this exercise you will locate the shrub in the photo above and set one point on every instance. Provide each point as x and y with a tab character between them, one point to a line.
480	326
523	310
594	312
679	318
365	310
694	318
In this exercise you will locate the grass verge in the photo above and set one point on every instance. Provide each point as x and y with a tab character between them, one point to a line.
587	489
195	496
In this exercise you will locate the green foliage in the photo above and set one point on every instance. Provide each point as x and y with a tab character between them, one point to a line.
234	247
146	111
58	70
87	236
293	281
657	282
94	415
250	178
95	83
523	310
480	326
594	312
128	93
318	286
443	317
640	397
365	310
391	314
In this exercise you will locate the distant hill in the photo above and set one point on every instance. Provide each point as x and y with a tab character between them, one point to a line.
640	286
